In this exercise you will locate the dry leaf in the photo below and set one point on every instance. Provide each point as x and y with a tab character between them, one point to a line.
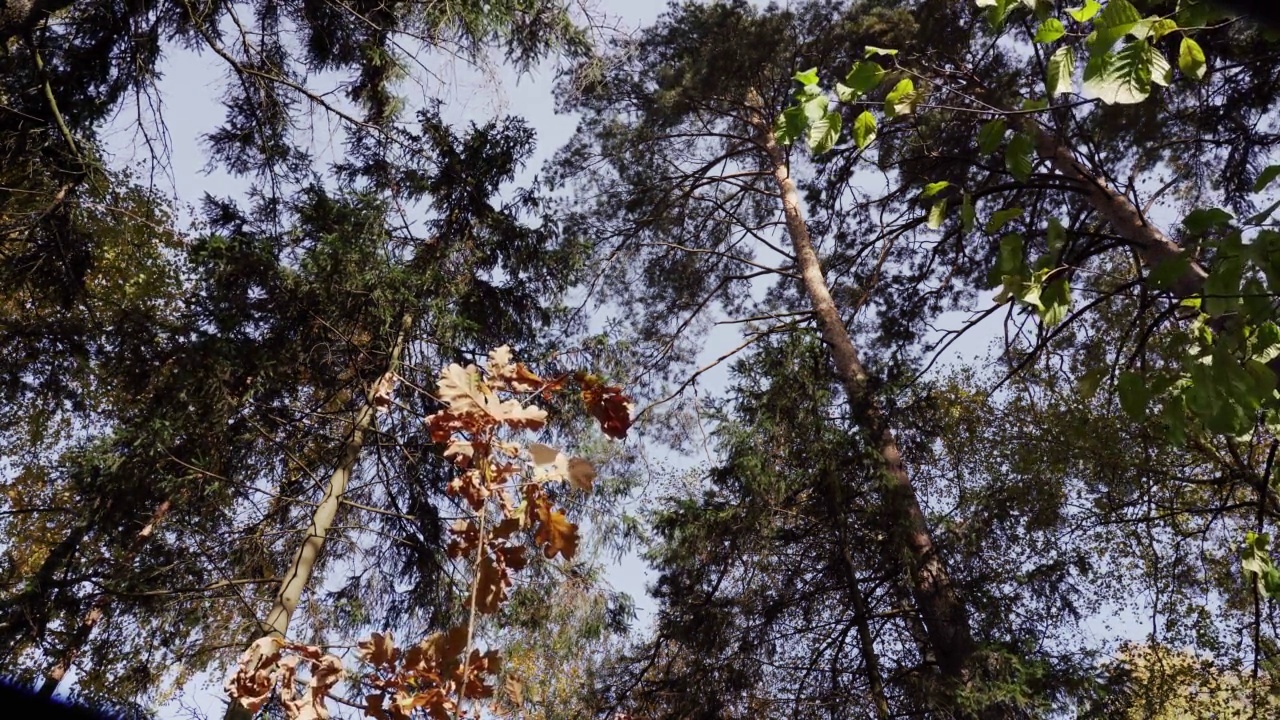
373	706
255	674
379	650
555	534
608	405
514	688
491	586
581	474
383	390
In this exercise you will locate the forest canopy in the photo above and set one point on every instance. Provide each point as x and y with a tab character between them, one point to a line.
924	353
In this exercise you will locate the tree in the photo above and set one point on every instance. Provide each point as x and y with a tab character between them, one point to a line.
693	156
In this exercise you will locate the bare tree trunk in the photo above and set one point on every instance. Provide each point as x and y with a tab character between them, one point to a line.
300	570
96	610
940	608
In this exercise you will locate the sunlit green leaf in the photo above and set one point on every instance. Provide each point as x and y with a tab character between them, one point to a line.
807	77
864	129
934	188
902	99
824	133
864	77
1060	71
1049	31
937	214
1086	12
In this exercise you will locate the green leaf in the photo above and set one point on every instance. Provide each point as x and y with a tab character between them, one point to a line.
824	133
934	188
1222	287
1254	557
902	99
1264	179
1132	389
807	77
1049	31
1017	157
1162	27
864	129
1085	13
967	214
1125	77
1203	219
1055	302
1061	69
1090	381
1164	274
990	136
1011	264
937	214
790	125
1001	218
872	50
865	76
815	108
1056	237
1117	13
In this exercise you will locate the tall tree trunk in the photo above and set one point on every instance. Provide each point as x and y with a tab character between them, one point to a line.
943	614
90	620
299	573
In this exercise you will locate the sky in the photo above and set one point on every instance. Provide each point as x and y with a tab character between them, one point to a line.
190	90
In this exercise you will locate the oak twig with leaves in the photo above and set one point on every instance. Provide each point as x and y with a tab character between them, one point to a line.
504	484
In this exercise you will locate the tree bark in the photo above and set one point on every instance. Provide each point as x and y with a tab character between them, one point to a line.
96	610
944	616
1151	243
300	570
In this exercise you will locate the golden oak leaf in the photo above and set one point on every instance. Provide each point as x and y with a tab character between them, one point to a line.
500	361
555	534
505	529
441	650
466	537
471	487
468	397
478	666
379	650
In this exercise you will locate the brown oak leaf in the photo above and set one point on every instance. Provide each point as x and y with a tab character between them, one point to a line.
608	405
379	650
555	534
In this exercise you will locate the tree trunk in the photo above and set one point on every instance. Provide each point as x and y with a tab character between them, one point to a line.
943	614
299	573
1151	243
81	635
